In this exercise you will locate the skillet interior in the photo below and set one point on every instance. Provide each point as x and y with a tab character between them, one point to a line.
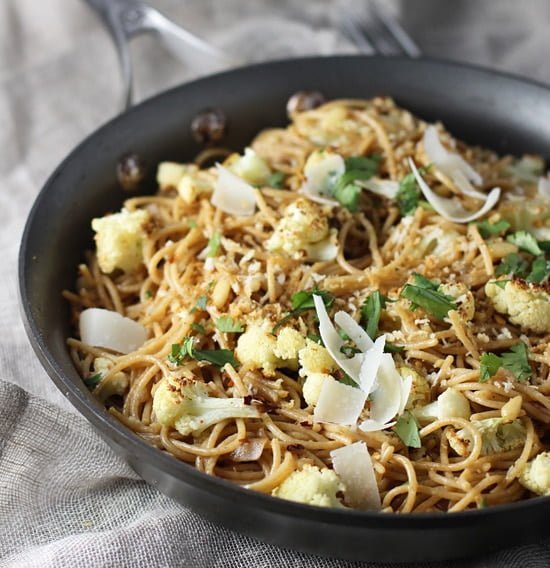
480	106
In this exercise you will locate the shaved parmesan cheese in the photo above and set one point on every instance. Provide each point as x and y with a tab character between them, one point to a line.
339	403
452	209
232	194
321	170
406	386
324	250
451	164
384	187
353	465
333	342
354	331
544	187
386	399
371	364
108	329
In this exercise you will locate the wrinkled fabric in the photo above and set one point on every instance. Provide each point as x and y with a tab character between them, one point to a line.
65	498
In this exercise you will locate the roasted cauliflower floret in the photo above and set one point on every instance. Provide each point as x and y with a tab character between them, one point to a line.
289	343
190	187
315	358
311	389
303	232
119	240
536	474
312	486
420	389
462	297
169	174
438	242
451	403
251	167
186	406
532	215
525	304
496	436
256	348
116	385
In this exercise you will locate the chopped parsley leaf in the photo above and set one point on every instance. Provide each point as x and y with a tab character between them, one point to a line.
423	282
516	361
487	229
191	223
489	365
276	180
315	337
500	283
348	196
302	301
370	312
425	294
512	265
229	325
200	304
199	328
93	380
407	430
408	195
345	190
525	241
148	294
482	503
347	380
218	357
213	247
540	271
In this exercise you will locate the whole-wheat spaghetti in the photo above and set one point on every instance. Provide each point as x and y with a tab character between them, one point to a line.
202	266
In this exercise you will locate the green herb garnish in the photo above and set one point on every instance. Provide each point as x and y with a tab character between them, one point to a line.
489	365
500	283
425	294
93	380
276	180
347	380
358	168
315	337
148	294
516	361
302	301
525	241
213	247
348	196
218	357
392	348
407	429
200	304
370	312
229	325
408	195
192	224
199	328
487	229
540	271
513	265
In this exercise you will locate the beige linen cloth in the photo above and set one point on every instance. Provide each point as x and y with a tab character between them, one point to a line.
65	498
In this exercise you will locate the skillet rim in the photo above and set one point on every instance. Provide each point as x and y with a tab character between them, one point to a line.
111	428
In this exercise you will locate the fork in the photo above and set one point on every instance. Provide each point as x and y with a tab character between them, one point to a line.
374	30
126	19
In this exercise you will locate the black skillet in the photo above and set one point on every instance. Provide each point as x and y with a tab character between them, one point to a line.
482	107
